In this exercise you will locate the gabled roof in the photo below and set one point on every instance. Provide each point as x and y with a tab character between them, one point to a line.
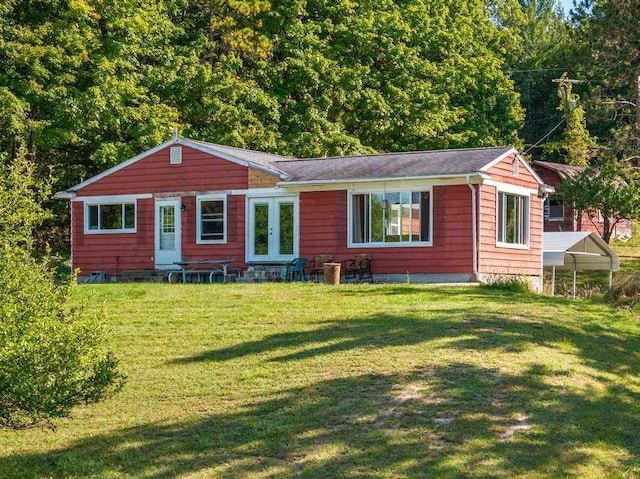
561	169
381	166
249	158
391	165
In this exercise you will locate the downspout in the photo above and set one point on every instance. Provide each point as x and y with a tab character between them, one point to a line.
474	214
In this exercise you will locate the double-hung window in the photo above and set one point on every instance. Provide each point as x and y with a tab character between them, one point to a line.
110	217
211	225
390	218
513	220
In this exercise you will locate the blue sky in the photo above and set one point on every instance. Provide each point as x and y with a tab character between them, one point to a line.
567	4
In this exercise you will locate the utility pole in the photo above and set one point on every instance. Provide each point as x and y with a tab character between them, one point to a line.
565	82
638	105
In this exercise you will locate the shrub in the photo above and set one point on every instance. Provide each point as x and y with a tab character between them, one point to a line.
625	290
51	355
503	282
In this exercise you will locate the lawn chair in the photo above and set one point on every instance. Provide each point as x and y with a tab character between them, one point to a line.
316	267
358	268
296	268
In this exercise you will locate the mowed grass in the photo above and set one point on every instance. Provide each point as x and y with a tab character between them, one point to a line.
305	380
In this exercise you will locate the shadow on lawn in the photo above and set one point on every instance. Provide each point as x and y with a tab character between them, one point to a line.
457	420
472	328
452	420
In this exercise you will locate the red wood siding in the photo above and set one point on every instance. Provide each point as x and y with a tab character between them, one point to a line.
99	251
497	260
198	172
323	230
233	249
503	172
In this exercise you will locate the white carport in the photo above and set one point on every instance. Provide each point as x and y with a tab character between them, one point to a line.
577	251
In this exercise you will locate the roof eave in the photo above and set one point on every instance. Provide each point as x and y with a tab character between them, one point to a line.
476	174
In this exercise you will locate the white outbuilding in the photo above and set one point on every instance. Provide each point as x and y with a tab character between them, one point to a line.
577	251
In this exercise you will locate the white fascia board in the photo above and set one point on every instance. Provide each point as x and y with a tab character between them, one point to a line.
509	188
120	166
65	195
493	163
520	158
112	198
453	179
233	159
156	149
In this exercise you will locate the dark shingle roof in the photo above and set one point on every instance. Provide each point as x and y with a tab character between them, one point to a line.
267	160
390	165
562	169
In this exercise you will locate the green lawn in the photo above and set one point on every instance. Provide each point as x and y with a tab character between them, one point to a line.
304	380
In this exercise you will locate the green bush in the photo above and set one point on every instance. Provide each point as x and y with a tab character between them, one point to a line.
51	355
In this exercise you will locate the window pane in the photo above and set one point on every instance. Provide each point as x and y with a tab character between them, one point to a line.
167	228
415	216
212	220
377	217
513	216
405	200
512	219
425	219
93	217
286	228
111	217
360	218
129	215
556	206
393	217
261	231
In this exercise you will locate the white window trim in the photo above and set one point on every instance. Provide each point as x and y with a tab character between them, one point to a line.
175	155
199	200
556	218
502	244
351	244
106	203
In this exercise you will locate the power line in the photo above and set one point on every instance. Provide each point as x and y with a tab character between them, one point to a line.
545	136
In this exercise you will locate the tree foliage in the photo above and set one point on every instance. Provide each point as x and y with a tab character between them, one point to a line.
541	50
51	356
608	188
88	83
576	145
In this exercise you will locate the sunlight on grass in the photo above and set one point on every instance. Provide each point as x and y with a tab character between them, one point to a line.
305	380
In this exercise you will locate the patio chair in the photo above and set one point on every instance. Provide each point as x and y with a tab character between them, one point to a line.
358	268
296	269
316	266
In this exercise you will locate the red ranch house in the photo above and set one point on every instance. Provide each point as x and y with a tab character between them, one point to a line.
450	215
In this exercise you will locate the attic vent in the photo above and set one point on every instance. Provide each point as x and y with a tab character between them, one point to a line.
176	155
515	165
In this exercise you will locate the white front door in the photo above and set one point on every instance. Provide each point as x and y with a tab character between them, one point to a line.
168	233
272	233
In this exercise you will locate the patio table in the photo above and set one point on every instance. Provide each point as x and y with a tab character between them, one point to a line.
184	270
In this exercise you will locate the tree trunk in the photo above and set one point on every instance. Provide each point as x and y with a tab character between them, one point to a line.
606	229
